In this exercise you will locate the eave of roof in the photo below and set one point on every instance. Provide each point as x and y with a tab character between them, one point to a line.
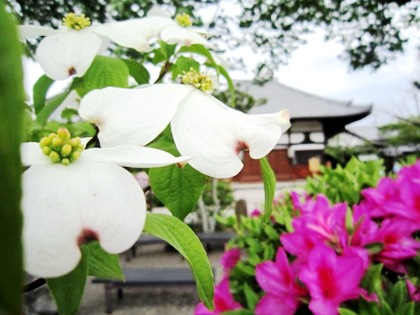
301	105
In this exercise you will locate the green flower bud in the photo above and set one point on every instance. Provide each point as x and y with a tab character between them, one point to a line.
57	143
75	155
64	134
45	141
54	157
46	150
66	150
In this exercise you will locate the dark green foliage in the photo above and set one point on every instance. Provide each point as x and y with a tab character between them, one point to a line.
224	193
345	183
11	116
405	132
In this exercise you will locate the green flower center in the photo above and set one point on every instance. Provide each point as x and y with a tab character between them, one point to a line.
184	20
201	81
76	21
60	147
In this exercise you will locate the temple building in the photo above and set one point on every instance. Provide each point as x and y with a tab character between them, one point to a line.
314	121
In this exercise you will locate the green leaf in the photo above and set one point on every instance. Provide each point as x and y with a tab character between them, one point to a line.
12	100
104	71
269	180
238	312
102	264
203	51
184	64
346	311
178	188
231	86
372	280
182	238
68	289
137	71
40	90
406	309
49	108
251	297
69	113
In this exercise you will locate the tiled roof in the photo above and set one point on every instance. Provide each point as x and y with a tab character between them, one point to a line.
301	105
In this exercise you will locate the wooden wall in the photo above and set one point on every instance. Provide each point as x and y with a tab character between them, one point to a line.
279	161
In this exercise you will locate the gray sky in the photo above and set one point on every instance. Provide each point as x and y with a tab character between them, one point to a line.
316	68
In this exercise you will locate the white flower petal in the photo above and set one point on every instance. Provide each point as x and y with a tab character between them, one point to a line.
175	34
132	156
31	154
132	116
134	33
67	53
66	205
28	31
214	134
51	224
117	205
157	11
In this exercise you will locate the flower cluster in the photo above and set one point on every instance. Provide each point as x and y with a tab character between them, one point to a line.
334	259
70	50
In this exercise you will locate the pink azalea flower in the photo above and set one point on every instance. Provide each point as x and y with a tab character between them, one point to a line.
365	229
230	258
319	223
376	198
279	283
255	213
407	203
223	300
331	279
410	172
399	245
299	199
413	291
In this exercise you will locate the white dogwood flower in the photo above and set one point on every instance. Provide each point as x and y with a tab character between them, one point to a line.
202	126
70	50
72	196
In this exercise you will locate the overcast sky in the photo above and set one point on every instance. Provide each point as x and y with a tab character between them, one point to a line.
316	68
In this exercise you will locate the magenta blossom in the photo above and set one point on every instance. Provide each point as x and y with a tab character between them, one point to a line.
413	291
299	199
256	213
279	283
331	279
399	245
319	223
407	203
230	258
376	198
223	300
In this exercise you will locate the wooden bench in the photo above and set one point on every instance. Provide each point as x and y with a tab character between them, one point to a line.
146	277
209	240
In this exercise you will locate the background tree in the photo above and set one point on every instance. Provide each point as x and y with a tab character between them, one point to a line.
405	131
371	31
